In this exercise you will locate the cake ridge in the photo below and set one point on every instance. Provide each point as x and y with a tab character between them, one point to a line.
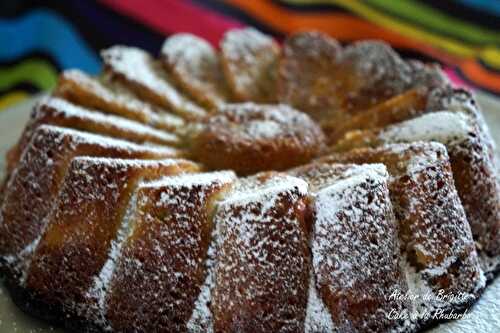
66	246
177	204
108	97
67	108
40	172
196	66
138	67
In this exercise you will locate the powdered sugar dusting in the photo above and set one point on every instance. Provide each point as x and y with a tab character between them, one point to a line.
190	180
261	256
139	67
100	284
459	100
441	126
354	238
67	109
39	174
318	318
164	256
248	191
201	320
472	163
249	121
434	232
196	66
80	137
115	99
250	63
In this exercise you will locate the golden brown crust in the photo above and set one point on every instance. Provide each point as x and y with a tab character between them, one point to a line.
249	60
35	183
473	167
308	78
262	265
355	248
356	139
57	112
195	66
258	269
331	84
144	75
433	226
404	106
248	138
81	89
84	225
476	180
154	267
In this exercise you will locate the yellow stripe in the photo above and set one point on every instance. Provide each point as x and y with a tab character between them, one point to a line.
489	55
12	98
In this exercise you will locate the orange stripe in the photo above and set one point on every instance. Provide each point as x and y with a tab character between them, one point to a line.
481	76
346	27
342	26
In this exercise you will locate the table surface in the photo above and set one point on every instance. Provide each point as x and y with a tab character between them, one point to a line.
485	315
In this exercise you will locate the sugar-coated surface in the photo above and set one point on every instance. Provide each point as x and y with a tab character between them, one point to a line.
318	318
249	137
433	229
265	122
195	64
459	100
115	100
261	269
443	127
67	109
355	248
163	257
473	166
86	227
137	66
250	64
36	180
440	253
318	76
307	77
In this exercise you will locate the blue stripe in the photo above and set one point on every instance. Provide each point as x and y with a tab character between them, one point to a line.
490	6
46	31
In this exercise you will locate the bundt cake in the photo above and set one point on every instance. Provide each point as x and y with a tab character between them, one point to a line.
312	187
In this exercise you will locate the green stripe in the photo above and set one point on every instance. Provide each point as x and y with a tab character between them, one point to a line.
437	21
39	73
425	17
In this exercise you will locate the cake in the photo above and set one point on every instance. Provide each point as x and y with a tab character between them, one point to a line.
312	187
261	286
196	66
319	77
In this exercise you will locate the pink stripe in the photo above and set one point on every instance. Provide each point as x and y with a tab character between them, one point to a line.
455	79
171	16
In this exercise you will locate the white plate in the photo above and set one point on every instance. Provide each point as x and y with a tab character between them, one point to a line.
484	316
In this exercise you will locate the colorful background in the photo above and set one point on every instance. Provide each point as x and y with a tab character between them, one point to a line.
40	38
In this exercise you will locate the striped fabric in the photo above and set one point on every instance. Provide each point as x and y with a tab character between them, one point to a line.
38	39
